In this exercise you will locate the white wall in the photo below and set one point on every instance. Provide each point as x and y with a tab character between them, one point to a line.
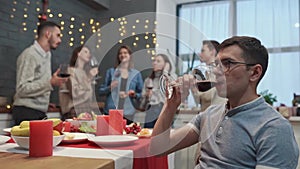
166	27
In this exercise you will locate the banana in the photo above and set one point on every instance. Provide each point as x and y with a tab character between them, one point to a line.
56	133
19	131
56	121
24	124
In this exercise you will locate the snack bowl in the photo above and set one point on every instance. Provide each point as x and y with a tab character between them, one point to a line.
24	141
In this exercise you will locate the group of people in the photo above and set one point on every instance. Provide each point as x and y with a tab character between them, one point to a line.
123	86
237	129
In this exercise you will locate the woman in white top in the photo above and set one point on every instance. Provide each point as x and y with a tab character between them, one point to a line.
78	91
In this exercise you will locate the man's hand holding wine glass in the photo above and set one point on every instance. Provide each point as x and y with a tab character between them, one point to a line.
57	80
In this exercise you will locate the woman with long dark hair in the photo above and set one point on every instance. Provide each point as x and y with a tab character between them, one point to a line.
77	94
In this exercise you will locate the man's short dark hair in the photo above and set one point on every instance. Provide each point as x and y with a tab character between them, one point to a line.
44	25
211	44
253	51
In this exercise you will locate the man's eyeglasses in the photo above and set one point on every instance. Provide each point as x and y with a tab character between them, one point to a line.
227	64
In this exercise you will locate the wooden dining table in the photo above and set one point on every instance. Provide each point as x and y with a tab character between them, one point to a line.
17	161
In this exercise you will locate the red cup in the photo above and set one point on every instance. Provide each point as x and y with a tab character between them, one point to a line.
115	122
41	138
102	125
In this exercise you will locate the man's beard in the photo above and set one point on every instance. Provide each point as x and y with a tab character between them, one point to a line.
51	42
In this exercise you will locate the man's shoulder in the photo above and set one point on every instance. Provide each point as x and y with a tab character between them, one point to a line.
28	52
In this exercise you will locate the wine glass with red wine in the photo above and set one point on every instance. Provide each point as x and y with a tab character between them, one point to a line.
94	64
63	70
204	80
204	76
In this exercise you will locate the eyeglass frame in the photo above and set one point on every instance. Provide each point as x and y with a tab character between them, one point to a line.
229	63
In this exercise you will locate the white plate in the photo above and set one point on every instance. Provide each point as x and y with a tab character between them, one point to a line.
4	139
7	130
78	137
113	140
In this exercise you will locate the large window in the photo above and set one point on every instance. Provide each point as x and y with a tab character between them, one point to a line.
274	22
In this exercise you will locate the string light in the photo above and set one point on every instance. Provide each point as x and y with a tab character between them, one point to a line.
28	2
24	23
72	19
59	15
134	44
71	44
14	9
99	34
155	22
147	46
133	33
137	21
148	51
146	37
48	10
38	9
119	19
62	28
82	24
25	29
99	41
70	32
25	15
146	26
147	21
71	26
50	15
8	106
81	42
133	27
72	39
91	21
137	38
153	35
25	9
120	41
62	22
123	18
112	19
80	29
82	37
97	46
97	23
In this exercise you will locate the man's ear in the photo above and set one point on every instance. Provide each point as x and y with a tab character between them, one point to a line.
48	34
255	72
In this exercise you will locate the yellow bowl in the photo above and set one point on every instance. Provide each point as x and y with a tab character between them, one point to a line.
24	141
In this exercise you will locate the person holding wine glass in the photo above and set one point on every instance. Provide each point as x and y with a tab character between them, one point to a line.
207	56
122	83
152	98
78	90
245	132
34	81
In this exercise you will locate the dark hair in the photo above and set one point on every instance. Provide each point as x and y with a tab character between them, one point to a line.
118	61
44	25
212	45
166	59
253	51
75	56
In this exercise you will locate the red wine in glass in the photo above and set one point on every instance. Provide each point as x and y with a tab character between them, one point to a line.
205	85
64	75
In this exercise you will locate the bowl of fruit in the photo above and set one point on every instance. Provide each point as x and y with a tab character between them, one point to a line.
21	133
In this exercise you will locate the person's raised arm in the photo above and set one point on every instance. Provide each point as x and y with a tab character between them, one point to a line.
164	141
